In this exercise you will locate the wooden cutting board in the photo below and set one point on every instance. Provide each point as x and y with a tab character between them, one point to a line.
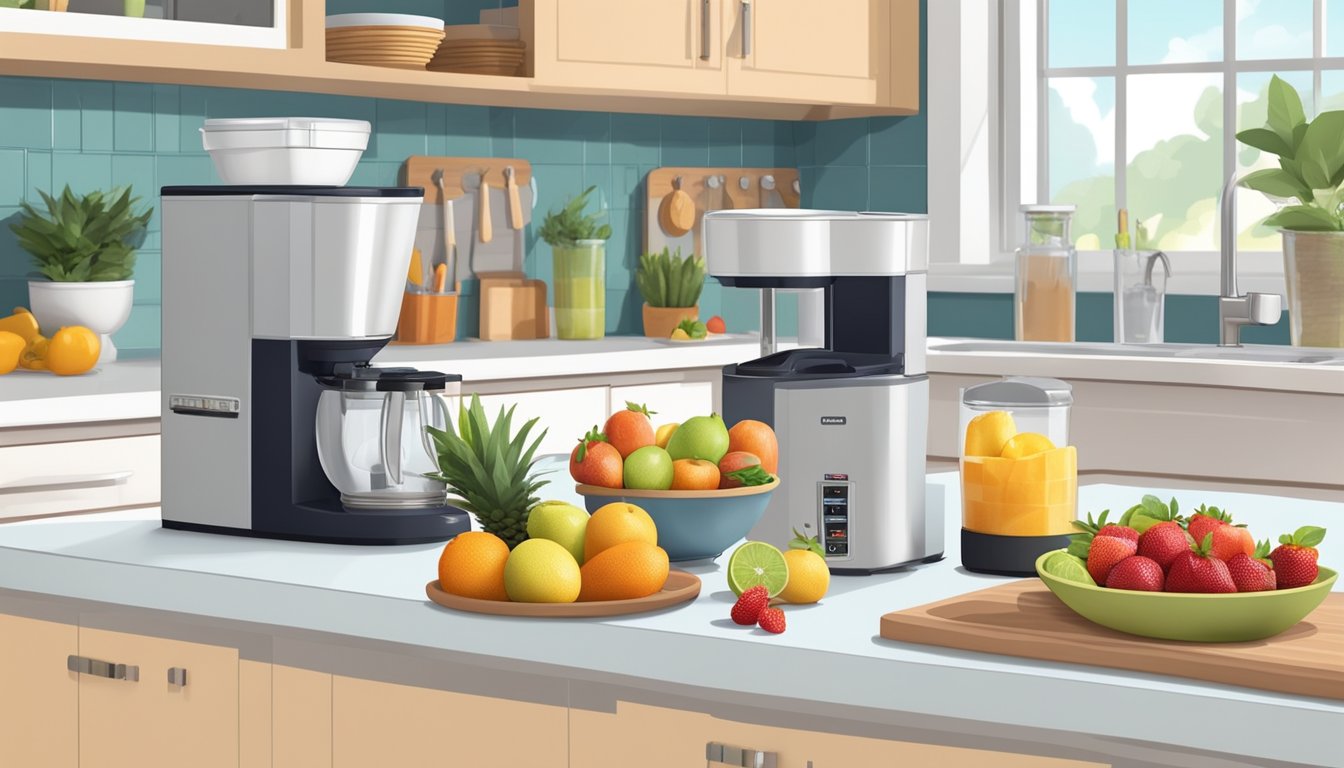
1024	618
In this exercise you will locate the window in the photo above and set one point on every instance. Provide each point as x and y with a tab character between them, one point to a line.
1108	104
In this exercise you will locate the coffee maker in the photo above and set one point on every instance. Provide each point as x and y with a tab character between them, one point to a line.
851	418
275	300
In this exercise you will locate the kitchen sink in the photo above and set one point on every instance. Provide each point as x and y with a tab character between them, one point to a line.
1261	353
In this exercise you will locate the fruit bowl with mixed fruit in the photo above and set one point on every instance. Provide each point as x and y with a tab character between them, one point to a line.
1204	578
705	484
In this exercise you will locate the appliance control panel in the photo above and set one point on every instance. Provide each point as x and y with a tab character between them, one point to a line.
836	497
205	405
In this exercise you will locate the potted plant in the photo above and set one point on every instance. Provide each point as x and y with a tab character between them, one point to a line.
1310	172
670	285
84	250
578	245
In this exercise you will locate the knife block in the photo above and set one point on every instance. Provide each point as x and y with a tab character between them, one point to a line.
513	307
427	318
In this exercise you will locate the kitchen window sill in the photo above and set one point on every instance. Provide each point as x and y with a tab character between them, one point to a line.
1193	274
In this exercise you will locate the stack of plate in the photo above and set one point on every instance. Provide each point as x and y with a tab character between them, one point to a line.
480	49
383	39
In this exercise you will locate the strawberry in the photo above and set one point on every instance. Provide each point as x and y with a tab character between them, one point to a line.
772	620
1138	573
1195	570
1249	572
1104	553
1204	520
1229	540
1100	527
1164	542
749	605
1295	557
1119	532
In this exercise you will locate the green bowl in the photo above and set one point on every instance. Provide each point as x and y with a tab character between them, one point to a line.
1224	618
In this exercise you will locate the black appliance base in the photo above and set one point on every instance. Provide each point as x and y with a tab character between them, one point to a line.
1006	555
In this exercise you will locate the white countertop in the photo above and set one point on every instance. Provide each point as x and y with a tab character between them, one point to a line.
126	389
378	593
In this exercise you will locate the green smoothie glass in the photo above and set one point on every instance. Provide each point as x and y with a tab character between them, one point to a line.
580	289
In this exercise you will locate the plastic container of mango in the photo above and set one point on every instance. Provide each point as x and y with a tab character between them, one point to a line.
1034	495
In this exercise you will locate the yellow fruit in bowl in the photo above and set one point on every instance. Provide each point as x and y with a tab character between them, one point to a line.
21	323
809	578
541	571
11	346
664	434
472	565
34	355
1026	444
72	351
624	572
988	432
681	335
617	523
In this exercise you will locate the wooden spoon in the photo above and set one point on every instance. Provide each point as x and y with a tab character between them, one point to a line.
676	214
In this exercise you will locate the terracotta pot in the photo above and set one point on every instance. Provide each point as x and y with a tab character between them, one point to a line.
1313	266
659	322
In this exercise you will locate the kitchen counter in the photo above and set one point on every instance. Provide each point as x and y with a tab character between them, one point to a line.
126	389
378	594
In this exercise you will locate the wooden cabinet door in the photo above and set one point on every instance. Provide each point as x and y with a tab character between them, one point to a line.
39	696
832	52
376	723
640	47
148	721
671	403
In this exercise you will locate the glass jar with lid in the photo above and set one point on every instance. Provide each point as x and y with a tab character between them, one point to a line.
1046	275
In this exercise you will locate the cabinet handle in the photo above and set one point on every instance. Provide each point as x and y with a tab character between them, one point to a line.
746	28
739	757
66	482
704	30
177	676
86	666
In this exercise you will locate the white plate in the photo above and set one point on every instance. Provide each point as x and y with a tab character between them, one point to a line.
383	20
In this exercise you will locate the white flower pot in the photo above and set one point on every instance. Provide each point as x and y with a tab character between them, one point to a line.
102	307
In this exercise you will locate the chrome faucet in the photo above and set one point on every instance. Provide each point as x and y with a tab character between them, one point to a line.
1235	309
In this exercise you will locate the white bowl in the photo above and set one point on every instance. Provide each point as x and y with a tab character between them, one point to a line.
339	20
102	307
309	151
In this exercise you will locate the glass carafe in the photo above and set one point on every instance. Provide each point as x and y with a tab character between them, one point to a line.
580	290
1047	274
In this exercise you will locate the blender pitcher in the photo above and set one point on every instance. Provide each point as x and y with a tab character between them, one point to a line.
1019	475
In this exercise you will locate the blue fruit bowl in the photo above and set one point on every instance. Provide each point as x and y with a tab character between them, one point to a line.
692	525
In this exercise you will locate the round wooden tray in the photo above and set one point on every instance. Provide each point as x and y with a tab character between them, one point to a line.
681	587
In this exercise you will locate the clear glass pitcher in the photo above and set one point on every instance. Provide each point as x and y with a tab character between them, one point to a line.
580	274
1047	276
1140	293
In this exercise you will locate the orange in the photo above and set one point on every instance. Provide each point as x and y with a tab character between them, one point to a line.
624	572
472	565
601	464
617	523
629	430
694	475
73	350
11	346
758	439
1026	444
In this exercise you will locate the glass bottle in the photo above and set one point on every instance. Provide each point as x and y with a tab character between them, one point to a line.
1047	275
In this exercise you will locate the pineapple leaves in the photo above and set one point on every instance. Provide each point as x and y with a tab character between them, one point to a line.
82	238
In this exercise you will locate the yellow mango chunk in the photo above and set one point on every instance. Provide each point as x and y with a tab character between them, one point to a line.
1026	444
987	433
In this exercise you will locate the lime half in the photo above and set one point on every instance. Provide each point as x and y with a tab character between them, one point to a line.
756	562
1068	567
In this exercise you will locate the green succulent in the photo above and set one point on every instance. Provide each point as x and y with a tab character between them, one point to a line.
666	280
83	238
570	224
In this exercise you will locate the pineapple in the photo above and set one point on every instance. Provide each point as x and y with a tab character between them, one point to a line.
488	469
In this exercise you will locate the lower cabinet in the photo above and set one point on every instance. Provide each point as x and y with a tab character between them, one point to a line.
39	697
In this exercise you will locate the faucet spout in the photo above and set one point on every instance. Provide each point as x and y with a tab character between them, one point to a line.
1234	309
1227	220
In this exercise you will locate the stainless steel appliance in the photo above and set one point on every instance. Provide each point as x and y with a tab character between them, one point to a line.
852	417
275	300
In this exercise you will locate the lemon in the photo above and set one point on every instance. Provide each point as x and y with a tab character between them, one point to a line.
664	434
1026	444
11	346
680	335
988	432
541	571
809	577
756	562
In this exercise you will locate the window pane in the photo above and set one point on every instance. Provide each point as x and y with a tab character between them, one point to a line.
1274	29
1174	144
1332	90
1082	155
1252	107
1081	33
1334	28
1163	32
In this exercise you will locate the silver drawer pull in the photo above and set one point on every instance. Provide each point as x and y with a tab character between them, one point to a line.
739	757
177	676
86	666
66	482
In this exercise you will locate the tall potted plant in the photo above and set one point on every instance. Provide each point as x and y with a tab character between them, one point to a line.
84	249
670	285
1310	172
578	244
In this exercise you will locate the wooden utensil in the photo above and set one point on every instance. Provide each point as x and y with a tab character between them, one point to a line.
515	207
1023	618
680	587
449	226
676	214
485	227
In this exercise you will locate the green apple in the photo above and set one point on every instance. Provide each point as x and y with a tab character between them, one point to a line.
561	522
648	468
701	437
